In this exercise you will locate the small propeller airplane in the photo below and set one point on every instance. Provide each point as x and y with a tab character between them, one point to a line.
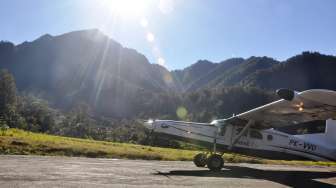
298	126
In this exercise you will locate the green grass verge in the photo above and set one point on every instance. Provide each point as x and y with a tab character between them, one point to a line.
14	141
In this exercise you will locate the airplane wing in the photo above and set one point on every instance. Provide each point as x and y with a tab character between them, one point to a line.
293	108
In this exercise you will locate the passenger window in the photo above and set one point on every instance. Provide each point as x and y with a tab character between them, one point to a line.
269	137
256	134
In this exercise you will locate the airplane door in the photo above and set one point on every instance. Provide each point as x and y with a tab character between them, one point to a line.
222	135
244	140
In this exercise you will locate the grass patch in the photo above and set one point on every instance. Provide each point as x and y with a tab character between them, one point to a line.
15	141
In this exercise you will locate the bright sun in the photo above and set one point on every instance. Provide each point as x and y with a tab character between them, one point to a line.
127	11
127	8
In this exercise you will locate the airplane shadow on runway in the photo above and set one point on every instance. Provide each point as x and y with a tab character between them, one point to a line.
289	178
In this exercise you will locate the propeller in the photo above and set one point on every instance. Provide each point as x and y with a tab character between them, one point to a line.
149	124
286	94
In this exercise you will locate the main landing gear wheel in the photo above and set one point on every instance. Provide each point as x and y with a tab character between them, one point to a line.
215	162
200	160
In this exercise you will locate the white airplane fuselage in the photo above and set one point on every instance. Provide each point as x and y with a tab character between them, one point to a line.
269	143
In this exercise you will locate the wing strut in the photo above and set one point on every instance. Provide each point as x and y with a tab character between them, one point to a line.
242	132
215	143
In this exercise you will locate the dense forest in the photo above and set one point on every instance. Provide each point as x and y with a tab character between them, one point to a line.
29	112
84	84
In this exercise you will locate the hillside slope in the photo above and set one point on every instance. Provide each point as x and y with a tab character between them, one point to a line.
84	66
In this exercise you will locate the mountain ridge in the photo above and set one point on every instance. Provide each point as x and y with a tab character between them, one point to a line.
88	66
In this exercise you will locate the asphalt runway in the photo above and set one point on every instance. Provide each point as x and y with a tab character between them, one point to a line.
39	171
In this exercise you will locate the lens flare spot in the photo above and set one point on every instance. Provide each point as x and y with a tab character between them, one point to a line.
161	61
150	37
168	78
181	112
144	22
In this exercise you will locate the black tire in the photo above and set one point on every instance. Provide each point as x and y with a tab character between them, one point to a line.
200	160
215	162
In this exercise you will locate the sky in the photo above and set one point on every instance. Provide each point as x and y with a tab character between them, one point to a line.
177	33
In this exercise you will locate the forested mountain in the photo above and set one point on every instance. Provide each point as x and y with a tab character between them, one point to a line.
301	72
87	67
231	72
304	71
84	66
186	77
198	75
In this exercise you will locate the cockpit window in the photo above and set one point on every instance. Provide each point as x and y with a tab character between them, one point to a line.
222	131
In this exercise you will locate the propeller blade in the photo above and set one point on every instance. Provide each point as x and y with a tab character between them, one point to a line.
149	124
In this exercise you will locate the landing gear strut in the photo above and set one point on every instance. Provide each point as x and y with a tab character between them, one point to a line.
215	161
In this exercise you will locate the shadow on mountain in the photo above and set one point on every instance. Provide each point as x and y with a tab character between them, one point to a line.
288	178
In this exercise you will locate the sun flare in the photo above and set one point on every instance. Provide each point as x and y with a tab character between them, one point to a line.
127	8
135	11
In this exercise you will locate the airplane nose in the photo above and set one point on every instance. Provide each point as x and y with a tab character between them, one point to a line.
149	124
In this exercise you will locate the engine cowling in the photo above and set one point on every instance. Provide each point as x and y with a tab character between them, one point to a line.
286	94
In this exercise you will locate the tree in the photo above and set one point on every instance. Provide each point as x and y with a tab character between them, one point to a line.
8	98
37	113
